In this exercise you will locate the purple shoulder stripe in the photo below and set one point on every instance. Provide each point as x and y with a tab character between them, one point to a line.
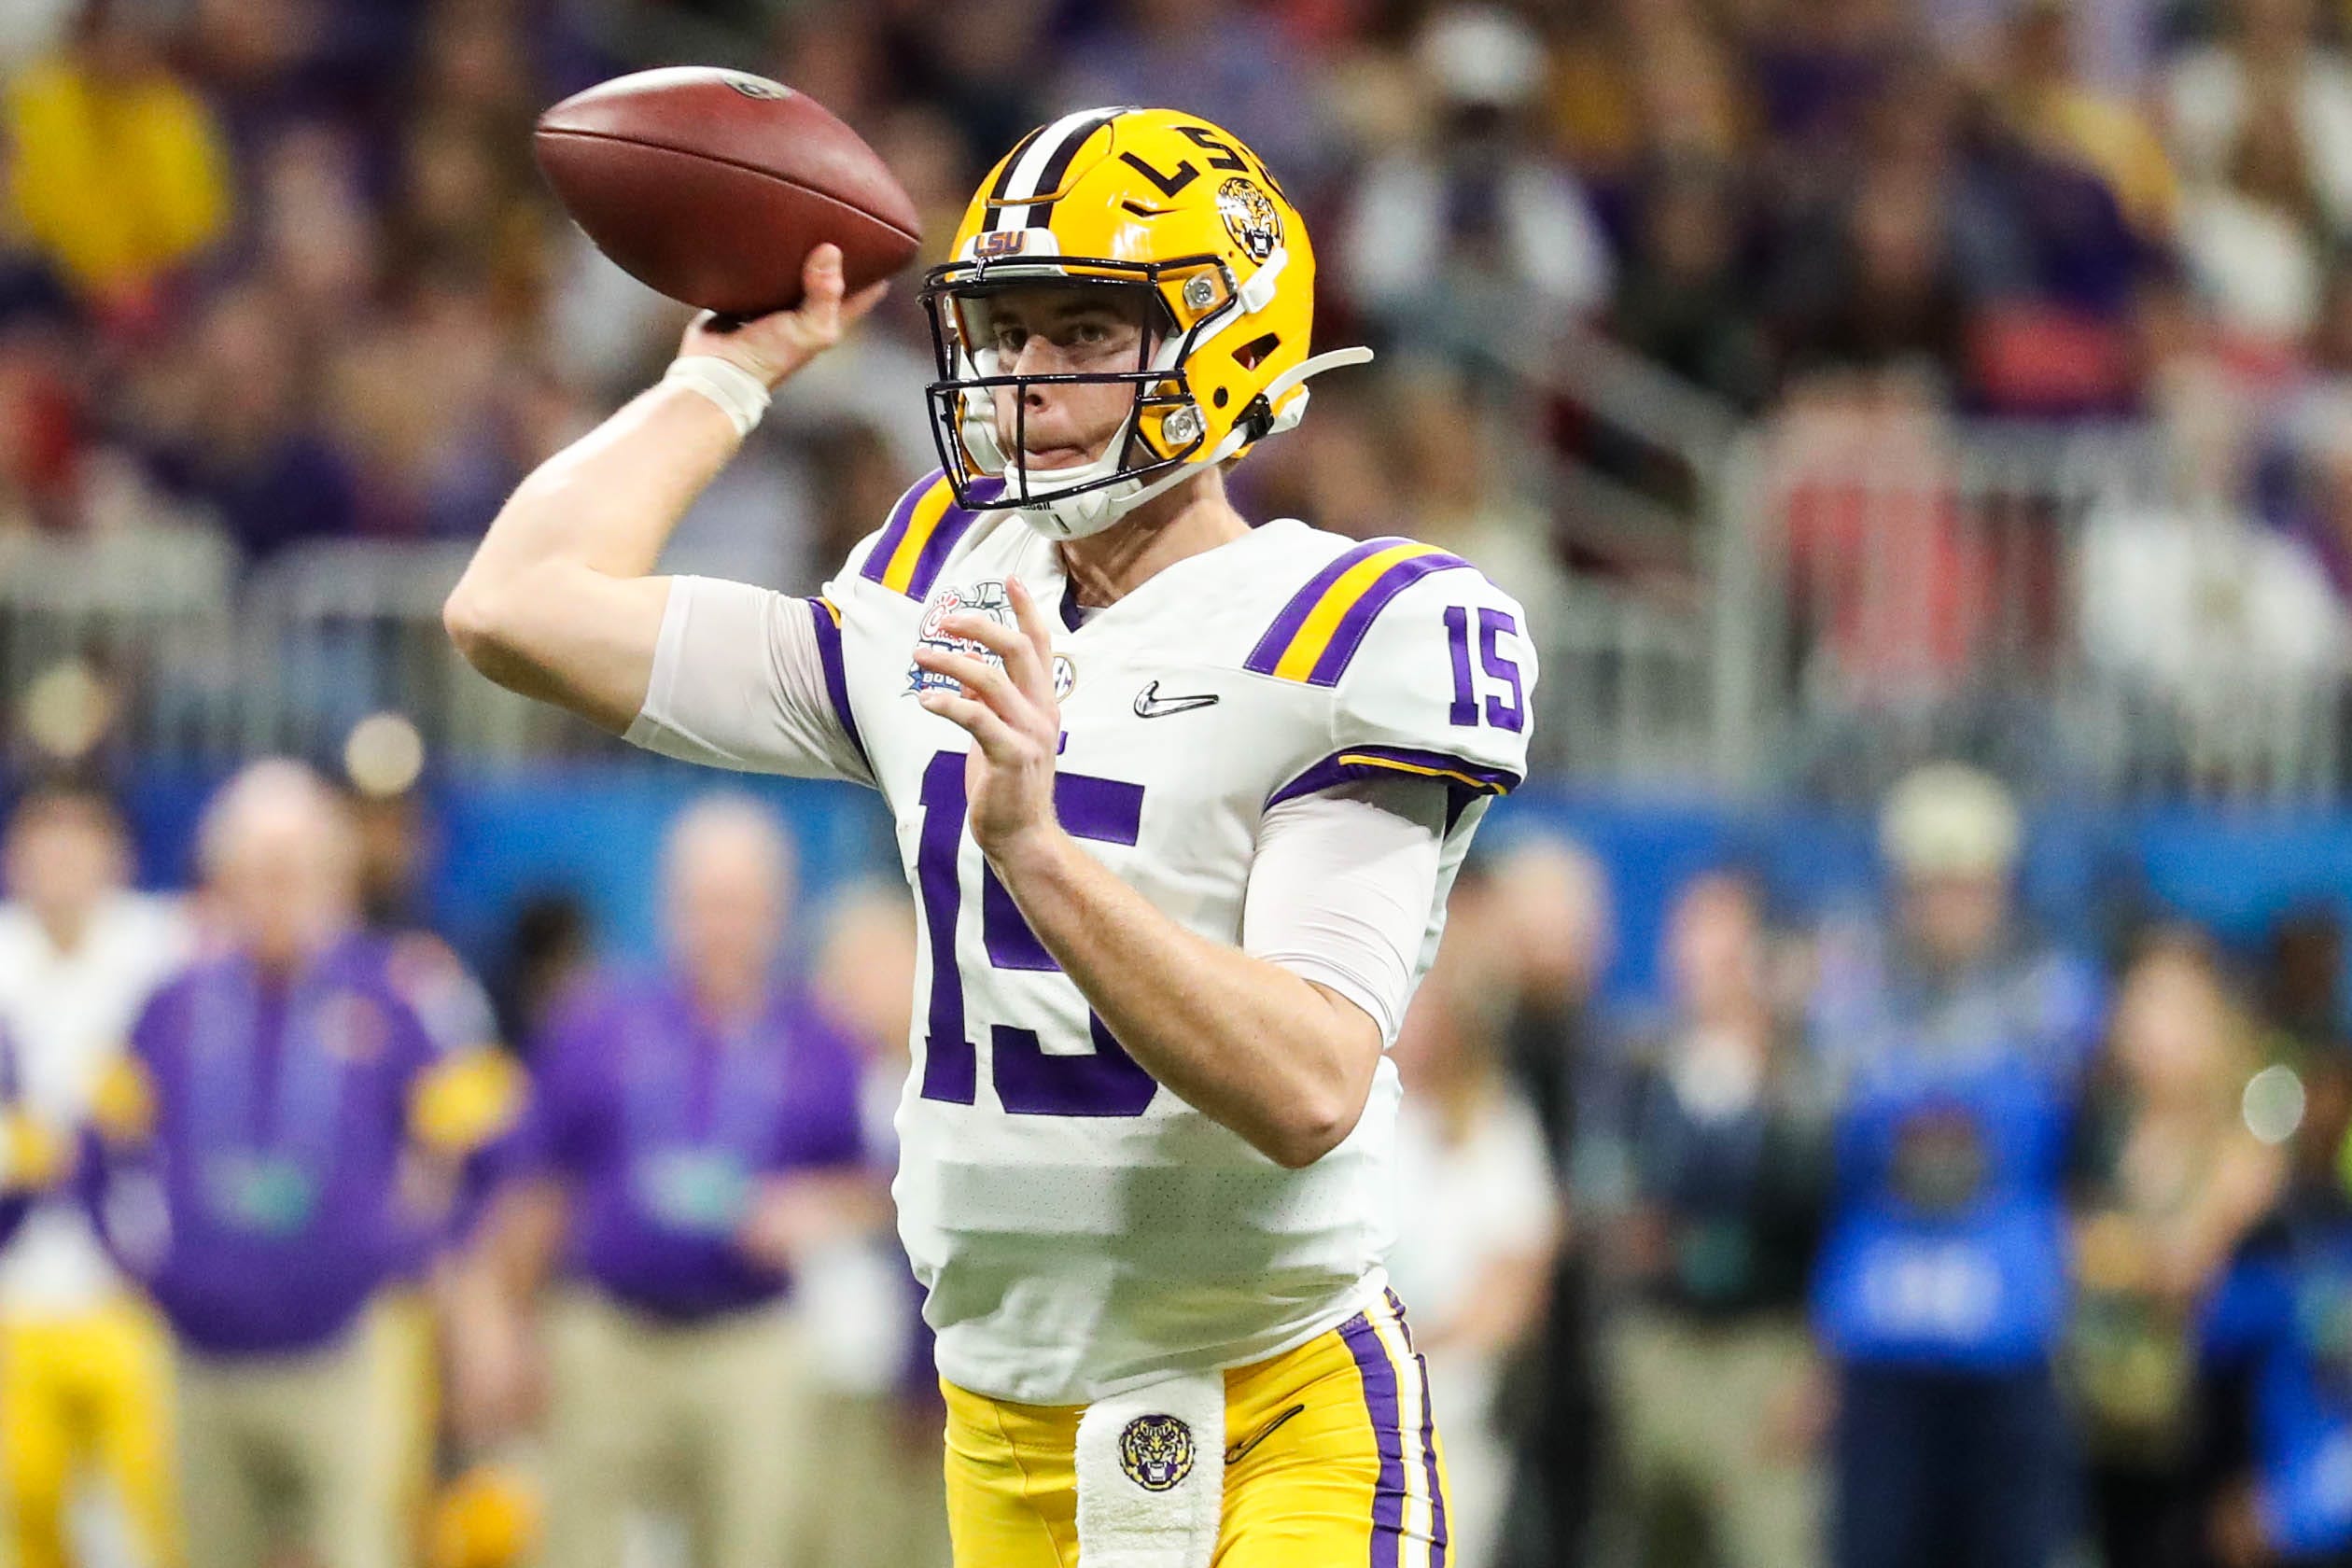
1461	777
1349	635
1270	648
836	676
879	559
953	524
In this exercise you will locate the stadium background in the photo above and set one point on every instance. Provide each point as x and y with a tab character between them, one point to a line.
1843	385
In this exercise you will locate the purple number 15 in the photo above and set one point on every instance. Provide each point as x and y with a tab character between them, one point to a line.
1503	714
1029	1081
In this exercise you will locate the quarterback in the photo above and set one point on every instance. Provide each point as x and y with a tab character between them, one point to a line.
1180	800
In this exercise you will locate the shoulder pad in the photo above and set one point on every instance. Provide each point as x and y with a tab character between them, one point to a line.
1431	671
923	531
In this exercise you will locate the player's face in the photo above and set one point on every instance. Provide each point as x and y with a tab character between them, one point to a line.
62	857
1957	920
727	888
286	881
1062	330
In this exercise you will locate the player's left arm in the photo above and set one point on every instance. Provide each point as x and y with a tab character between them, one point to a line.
1283	1060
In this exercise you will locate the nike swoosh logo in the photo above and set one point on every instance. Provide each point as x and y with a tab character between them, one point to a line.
1149	704
1235	1453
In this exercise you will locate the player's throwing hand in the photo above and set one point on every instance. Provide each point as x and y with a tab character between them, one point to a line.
773	345
1013	718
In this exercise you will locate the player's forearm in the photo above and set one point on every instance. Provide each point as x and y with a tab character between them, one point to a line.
1276	1058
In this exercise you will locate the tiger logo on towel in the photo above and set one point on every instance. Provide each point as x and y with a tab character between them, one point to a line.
1155	1451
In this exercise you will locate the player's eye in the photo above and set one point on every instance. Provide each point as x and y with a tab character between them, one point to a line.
1006	337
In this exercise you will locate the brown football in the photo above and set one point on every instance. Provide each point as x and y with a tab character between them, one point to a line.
714	186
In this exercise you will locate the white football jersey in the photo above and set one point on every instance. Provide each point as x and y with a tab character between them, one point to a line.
70	1013
1079	1228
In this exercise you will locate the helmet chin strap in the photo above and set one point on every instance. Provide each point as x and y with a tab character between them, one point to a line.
1077	516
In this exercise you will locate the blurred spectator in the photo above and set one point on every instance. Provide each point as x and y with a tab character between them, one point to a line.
1227	62
2042	97
547	946
880	1471
2266	62
2196	608
271	1158
231	421
692	1135
85	1375
1683	299
1884	274
1465	242
2275	1340
1478	1219
118	175
2171	1178
1722	1125
2303	984
1458	486
2251	235
1943	1288
31	1161
1552	926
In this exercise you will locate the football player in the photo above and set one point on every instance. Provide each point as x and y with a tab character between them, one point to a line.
1180	798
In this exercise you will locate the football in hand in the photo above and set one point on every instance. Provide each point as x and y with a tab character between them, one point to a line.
713	187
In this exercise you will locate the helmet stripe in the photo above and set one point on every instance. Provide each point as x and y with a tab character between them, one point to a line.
1004	176
1039	169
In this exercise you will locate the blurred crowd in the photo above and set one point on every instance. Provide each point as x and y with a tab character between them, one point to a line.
1896	1235
285	264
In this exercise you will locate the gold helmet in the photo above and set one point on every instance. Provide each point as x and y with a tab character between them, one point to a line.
1139	200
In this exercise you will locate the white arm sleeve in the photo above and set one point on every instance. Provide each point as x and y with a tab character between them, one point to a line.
739	681
1343	887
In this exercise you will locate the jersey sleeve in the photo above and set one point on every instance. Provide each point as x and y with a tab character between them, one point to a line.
749	678
1340	885
1432	671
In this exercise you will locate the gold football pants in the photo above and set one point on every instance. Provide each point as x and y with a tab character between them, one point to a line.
80	1397
1332	1462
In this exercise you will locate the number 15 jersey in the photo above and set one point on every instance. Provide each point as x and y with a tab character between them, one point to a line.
1079	1228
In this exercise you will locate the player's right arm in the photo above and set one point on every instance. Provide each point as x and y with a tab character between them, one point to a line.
559	602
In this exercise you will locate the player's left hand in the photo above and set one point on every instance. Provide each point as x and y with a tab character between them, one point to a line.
1013	718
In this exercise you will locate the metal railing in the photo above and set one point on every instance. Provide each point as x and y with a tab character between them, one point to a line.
203	669
2066	608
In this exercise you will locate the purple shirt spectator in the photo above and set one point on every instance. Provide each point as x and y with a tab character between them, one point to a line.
267	1206
662	1123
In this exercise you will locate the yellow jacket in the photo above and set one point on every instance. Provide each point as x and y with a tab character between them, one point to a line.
112	182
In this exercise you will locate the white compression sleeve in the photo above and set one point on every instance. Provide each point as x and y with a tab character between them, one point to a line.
1342	889
739	683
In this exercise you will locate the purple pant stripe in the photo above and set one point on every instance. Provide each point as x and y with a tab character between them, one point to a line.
1380	1398
1437	1534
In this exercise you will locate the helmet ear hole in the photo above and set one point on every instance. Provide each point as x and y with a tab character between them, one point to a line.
1249	354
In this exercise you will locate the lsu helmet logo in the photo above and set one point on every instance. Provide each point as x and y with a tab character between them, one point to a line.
1155	1451
1000	242
1250	216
